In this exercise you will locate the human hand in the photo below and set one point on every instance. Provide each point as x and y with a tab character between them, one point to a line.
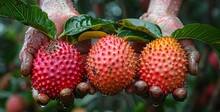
164	14
59	11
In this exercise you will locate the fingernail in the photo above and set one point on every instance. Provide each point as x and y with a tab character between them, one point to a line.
82	89
180	94
24	71
43	99
156	91
66	93
66	97
157	94
141	87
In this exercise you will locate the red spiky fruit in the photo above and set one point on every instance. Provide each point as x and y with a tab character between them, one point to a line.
15	103
57	65
111	65
163	63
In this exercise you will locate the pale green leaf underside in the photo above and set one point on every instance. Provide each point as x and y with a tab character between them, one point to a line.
28	15
134	33
201	32
143	26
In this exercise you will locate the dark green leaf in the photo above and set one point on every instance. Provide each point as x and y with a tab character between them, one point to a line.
143	26
135	33
201	32
28	15
83	22
109	28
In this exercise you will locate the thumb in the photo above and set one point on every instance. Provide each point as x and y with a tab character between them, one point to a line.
193	56
33	40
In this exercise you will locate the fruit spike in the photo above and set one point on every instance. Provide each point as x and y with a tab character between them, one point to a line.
163	63
111	65
57	65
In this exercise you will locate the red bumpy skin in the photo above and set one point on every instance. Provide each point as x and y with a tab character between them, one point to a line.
163	63
57	65
111	65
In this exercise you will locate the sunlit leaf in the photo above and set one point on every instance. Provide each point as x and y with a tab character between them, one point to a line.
143	26
91	34
28	15
201	32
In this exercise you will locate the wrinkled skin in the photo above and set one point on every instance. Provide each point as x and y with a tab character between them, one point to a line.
59	11
162	12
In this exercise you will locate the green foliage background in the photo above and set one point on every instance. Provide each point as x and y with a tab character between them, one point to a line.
192	11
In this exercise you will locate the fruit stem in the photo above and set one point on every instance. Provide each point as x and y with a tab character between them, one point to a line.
61	35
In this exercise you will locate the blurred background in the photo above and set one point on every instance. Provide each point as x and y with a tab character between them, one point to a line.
203	89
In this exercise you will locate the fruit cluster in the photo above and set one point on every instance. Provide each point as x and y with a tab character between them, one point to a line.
111	66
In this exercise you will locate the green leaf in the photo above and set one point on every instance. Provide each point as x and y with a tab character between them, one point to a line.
82	23
109	28
143	26
28	15
201	32
129	34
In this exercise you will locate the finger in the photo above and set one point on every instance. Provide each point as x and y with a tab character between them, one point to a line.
82	89
66	97
141	87
26	64
92	89
130	89
33	40
157	95
66	93
193	56
180	94
42	99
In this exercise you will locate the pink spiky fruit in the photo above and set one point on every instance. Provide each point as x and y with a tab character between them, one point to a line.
57	65
111	65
